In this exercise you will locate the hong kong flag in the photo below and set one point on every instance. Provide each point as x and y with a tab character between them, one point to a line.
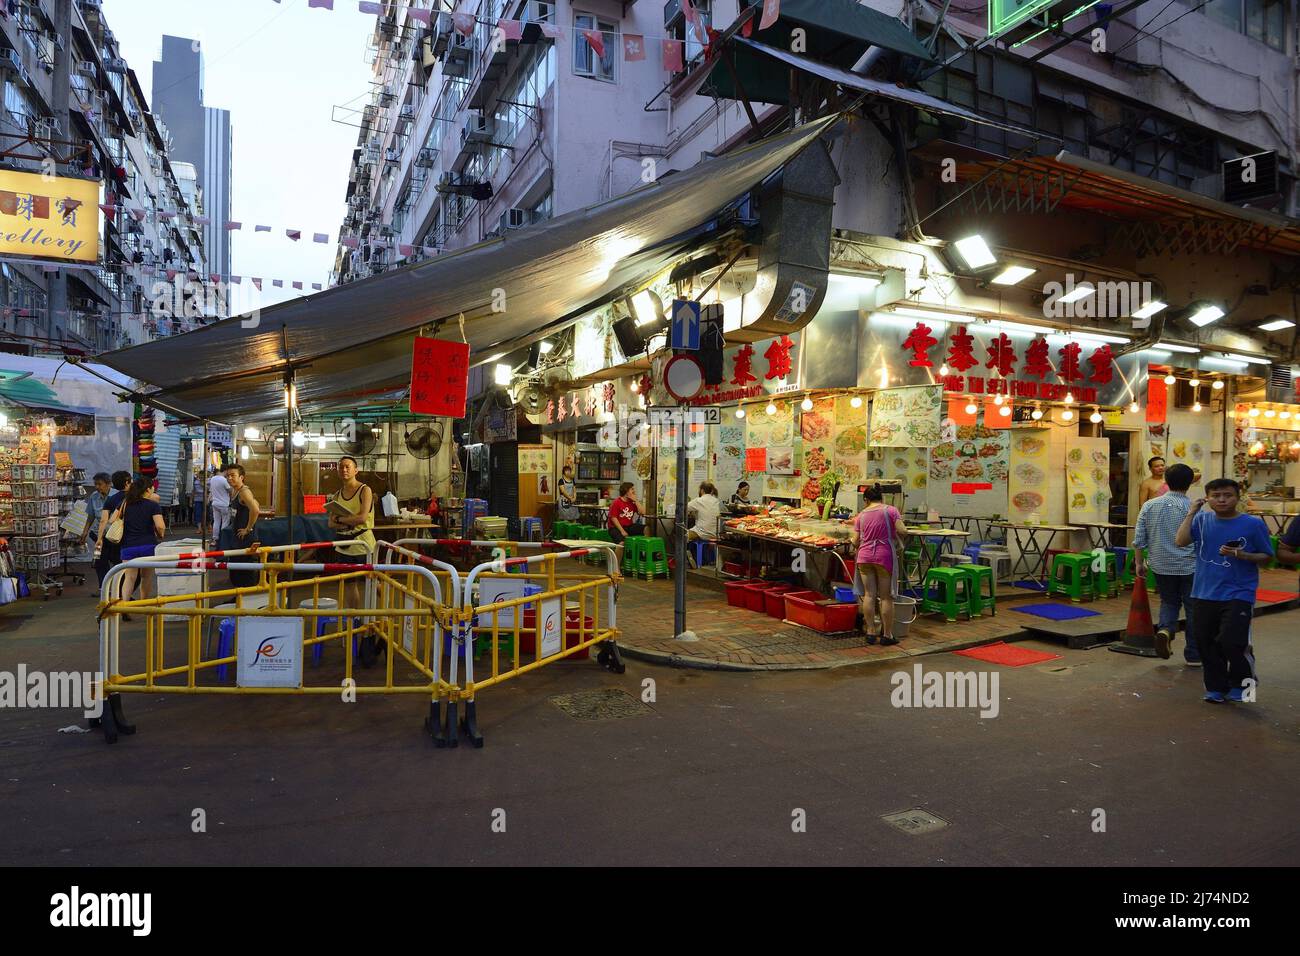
771	10
633	47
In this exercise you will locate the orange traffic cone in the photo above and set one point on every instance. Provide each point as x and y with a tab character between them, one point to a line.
1140	634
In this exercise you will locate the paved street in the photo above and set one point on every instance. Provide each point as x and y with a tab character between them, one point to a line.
710	773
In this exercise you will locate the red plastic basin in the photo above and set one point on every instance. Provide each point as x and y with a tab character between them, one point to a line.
754	595
774	600
736	592
806	609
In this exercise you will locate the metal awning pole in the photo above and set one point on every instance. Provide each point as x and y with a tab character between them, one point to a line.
203	484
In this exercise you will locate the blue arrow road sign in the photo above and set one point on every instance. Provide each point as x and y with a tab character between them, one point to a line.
685	333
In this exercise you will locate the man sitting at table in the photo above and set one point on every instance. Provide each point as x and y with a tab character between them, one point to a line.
624	518
1174	567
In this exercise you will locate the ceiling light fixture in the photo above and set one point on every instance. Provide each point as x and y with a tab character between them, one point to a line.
1012	275
806	404
1066	415
1080	291
975	252
1206	314
1150	309
1218	384
856	401
1276	325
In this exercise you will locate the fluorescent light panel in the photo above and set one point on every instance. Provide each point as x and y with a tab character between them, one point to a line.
1205	315
1276	325
1150	309
1012	274
975	251
1253	360
1178	348
1080	291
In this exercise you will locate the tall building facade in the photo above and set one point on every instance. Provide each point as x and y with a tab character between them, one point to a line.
73	107
200	135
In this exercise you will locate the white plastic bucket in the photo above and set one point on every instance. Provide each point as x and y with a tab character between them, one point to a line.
905	611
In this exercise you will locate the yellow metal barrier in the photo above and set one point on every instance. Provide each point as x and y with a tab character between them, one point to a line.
417	608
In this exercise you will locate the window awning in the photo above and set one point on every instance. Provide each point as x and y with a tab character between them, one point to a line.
354	341
892	91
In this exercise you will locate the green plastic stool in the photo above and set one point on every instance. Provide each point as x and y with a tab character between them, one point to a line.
1105	584
976	575
954	583
630	546
652	558
1273	562
1077	581
1125	569
563	530
1151	581
597	555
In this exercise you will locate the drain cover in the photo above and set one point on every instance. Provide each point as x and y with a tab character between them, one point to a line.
914	821
609	703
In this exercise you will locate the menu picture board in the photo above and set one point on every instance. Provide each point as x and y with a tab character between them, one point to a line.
535	459
1190	445
1087	484
968	476
729	453
1028	478
907	417
850	441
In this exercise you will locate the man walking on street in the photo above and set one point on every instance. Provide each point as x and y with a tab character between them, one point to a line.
219	497
1230	547
1174	567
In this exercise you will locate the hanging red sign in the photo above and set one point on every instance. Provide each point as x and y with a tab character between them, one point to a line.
439	377
1157	400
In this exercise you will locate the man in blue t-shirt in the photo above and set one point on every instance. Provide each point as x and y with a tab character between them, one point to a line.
1230	547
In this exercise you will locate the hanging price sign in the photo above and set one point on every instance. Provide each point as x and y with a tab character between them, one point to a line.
439	377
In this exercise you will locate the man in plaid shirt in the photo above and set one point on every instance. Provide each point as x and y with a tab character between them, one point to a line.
1174	567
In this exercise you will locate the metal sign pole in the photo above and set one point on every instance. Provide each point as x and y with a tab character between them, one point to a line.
679	579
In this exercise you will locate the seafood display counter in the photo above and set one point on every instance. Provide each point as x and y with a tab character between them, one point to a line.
770	533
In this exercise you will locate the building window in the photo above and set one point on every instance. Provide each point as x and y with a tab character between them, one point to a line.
543	209
679	29
585	61
1262	20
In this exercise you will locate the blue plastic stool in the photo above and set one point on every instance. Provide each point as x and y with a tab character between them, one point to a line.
531	529
318	650
702	548
225	643
972	551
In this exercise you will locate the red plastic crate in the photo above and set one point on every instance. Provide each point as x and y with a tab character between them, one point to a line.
314	504
774	600
804	608
736	592
738	568
754	595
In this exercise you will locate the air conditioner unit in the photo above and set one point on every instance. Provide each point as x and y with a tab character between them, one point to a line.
86	67
426	157
391	155
445	182
115	64
478	128
538	11
386	99
11	60
514	218
460	47
407	113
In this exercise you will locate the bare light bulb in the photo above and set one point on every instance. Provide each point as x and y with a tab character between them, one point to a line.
1270	413
1169	380
943	370
1005	411
1253	413
1218	384
1069	398
1196	407
740	412
634	387
998	399
1036	414
1133	407
971	408
1066	415
806	405
1283	414
1095	417
856	401
771	408
1195	382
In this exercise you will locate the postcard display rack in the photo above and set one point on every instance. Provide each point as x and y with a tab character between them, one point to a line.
35	541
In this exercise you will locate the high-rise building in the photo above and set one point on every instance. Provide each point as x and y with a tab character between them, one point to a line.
200	135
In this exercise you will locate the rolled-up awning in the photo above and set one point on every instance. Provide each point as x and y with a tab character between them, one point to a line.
354	340
891	91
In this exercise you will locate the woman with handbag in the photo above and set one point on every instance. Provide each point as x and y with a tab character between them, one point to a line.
142	529
876	530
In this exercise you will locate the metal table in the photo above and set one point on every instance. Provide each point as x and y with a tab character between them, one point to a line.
1276	522
927	562
1032	559
1099	532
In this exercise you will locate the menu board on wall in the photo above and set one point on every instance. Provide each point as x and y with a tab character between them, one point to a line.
1087	487
850	442
1189	444
907	417
729	455
911	466
535	459
1156	434
969	476
1029	473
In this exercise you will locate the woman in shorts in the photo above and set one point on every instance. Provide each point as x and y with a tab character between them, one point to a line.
876	530
142	529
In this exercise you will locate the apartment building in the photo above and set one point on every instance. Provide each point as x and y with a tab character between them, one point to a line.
73	107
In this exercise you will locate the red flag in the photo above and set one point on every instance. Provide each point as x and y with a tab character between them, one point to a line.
957	411
464	23
597	41
214	277
258	283
405	250
294	234
771	10
231	225
633	47
672	55
552	31
297	285
422	16
693	18
511	29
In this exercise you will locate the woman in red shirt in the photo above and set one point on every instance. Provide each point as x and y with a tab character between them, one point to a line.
624	518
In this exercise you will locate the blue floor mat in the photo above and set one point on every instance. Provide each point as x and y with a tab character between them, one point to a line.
1056	612
1031	585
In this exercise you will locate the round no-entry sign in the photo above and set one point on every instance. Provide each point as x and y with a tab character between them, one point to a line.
683	377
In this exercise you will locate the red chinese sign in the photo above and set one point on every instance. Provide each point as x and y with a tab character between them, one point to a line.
1157	400
920	341
1002	355
962	354
1037	361
744	362
778	358
439	377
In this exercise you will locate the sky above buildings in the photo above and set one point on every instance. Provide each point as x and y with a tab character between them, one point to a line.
280	69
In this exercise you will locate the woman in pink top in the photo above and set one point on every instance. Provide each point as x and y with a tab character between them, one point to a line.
875	531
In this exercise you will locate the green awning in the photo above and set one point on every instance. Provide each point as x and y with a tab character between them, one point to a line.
837	32
26	391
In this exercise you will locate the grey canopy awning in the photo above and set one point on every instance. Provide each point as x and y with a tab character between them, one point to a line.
354	340
892	91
